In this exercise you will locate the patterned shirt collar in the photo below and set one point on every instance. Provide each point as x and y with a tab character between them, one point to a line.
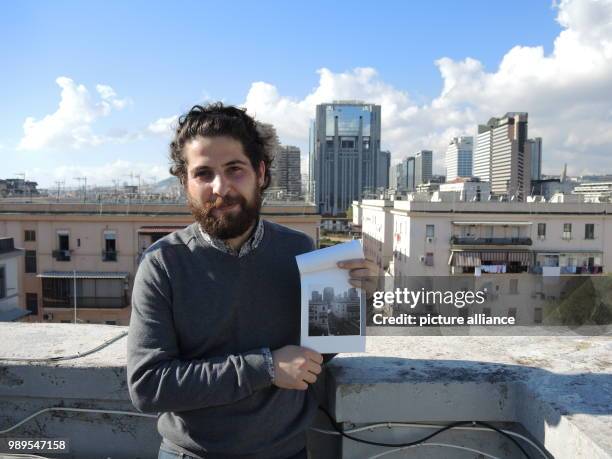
246	248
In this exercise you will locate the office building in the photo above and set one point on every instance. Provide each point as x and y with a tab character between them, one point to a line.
405	175
535	155
481	160
384	165
285	171
423	164
459	157
502	156
346	154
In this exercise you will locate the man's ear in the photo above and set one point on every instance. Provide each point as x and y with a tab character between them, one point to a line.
261	174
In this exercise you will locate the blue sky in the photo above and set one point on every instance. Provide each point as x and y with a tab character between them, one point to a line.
159	58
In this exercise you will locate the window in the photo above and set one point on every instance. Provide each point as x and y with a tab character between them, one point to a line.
110	246
513	286
32	302
429	259
2	282
347	143
63	241
110	322
512	312
63	245
541	230
91	293
537	315
29	235
589	231
30	261
429	230
567	231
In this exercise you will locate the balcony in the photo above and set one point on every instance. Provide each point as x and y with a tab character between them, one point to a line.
61	255
455	240
555	391
109	255
589	270
98	302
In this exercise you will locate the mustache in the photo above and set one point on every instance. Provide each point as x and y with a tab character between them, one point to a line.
222	202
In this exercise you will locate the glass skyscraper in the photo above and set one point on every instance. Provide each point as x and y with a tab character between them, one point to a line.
459	158
346	154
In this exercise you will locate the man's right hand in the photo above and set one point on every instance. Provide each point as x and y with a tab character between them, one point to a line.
295	367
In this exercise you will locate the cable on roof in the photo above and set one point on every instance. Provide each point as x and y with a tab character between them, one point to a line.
79	410
445	445
427	437
67	357
390	425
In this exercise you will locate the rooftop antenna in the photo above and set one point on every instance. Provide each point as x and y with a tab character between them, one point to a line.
59	183
84	179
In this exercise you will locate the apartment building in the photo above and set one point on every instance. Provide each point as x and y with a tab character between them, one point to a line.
80	259
377	227
510	248
9	281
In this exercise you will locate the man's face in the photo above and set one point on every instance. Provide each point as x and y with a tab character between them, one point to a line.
223	189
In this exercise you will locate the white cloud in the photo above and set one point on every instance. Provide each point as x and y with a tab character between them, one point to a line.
102	175
109	98
70	126
163	126
567	93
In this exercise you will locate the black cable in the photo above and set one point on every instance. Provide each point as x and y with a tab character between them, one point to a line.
422	440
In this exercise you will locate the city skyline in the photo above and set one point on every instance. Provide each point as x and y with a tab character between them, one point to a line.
102	110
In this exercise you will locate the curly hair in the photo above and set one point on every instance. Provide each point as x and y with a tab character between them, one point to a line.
259	140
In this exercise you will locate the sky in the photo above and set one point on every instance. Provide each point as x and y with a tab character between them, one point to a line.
92	89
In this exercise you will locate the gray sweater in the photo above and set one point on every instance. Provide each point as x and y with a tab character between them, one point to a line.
200	318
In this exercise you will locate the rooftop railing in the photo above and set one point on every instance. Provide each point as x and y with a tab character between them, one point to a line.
455	240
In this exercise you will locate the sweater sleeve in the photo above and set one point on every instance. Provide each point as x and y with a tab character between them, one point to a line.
158	378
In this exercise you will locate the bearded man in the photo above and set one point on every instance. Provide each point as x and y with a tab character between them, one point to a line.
215	325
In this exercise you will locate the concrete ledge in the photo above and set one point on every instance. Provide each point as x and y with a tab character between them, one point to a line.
556	390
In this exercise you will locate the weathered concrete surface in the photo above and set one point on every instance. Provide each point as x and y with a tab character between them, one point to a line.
558	388
95	381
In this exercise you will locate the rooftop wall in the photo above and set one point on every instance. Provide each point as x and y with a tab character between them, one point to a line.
557	391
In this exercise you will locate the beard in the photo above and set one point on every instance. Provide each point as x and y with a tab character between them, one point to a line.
226	225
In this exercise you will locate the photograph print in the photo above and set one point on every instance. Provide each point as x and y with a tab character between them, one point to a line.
333	312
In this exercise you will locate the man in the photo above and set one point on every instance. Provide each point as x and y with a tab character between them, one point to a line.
215	321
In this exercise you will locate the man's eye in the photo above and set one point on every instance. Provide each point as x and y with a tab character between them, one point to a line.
206	175
235	170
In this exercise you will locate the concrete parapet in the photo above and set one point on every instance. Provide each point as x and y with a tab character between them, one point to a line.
556	391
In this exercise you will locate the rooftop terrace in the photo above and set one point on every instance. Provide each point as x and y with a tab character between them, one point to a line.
554	391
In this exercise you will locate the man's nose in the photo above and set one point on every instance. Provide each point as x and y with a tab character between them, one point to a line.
220	185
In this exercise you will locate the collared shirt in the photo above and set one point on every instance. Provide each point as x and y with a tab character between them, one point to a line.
246	248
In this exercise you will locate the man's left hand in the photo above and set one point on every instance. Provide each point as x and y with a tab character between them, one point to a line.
363	273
